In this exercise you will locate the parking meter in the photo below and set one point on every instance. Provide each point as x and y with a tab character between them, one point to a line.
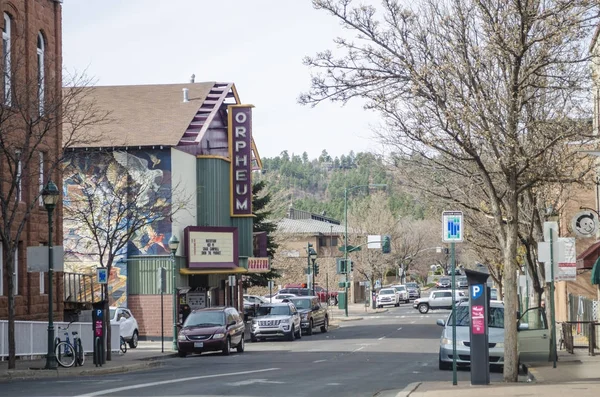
478	330
98	315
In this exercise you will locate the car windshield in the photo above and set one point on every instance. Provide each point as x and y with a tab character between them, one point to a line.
301	303
412	285
112	313
495	317
400	288
444	280
273	311
386	292
205	319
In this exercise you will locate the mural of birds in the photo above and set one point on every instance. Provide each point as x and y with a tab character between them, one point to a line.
155	160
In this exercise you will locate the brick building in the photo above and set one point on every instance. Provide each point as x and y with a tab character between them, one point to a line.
31	142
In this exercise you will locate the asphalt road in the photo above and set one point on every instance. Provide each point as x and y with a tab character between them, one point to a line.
380	353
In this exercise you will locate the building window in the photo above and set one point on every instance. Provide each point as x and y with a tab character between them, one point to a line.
322	242
41	75
334	241
6	49
42	283
41	178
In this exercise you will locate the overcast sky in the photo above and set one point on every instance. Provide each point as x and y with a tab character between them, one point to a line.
258	45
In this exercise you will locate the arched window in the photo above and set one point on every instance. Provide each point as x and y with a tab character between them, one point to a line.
41	76
6	46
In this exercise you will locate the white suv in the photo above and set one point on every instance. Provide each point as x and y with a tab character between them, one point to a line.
276	320
402	293
387	296
128	325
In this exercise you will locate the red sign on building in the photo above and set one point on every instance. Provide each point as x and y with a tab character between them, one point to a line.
259	265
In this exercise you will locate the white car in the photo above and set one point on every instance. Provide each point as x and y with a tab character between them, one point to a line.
402	293
387	296
257	300
128	325
280	297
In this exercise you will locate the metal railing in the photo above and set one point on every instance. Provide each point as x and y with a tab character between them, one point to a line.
580	335
31	337
80	288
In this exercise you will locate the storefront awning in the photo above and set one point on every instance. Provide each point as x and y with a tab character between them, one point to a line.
587	258
236	270
596	273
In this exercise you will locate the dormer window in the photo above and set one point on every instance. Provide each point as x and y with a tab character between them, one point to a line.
6	48
41	75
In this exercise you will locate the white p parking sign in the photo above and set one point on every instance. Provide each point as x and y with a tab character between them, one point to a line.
476	291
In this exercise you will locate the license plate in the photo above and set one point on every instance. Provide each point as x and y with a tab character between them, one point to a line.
198	344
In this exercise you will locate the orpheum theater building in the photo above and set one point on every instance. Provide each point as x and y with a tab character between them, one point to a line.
194	142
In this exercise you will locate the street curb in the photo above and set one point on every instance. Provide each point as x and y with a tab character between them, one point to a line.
25	374
348	319
409	389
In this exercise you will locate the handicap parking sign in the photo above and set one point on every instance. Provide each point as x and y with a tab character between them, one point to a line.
102	275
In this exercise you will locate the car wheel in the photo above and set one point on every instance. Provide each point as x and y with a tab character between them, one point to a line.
253	338
133	343
310	328
397	304
442	365
182	354
325	325
227	348
423	308
240	346
407	301
291	335
298	334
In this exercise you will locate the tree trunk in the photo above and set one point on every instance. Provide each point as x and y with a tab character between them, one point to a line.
12	349
511	304
107	321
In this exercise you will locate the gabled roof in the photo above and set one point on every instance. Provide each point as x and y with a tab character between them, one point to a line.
141	115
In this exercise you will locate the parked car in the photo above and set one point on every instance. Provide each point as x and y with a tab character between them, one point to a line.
211	329
280	297
312	314
276	320
532	336
402	293
439	300
249	309
414	292
387	296
330	296
444	283
256	299
295	291
128	326
461	282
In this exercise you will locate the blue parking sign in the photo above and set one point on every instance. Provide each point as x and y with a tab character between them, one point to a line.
102	275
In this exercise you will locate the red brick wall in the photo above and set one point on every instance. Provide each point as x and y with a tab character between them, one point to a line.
30	17
146	310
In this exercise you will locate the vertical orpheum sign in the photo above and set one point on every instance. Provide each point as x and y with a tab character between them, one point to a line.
240	153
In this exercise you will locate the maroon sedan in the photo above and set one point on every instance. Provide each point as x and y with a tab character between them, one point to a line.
211	329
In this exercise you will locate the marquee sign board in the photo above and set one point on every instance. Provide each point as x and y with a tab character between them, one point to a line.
211	247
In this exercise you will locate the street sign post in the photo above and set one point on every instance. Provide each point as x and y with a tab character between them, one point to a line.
452	232
102	275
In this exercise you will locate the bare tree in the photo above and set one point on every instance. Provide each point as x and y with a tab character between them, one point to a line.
110	201
36	122
481	88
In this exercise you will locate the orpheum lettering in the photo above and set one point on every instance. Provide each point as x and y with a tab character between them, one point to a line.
240	146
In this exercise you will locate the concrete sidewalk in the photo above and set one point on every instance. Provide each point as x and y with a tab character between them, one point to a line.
579	373
146	355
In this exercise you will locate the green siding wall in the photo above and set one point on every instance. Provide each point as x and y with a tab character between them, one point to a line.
214	203
142	274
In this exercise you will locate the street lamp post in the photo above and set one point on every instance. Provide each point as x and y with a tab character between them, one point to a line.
311	256
346	235
173	245
50	196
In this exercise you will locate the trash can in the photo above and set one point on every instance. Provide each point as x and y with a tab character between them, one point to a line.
341	299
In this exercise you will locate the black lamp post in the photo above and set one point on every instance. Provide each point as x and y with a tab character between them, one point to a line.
173	245
50	196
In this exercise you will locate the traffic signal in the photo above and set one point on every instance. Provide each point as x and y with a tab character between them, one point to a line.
351	265
316	269
386	246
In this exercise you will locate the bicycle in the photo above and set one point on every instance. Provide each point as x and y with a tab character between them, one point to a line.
123	345
67	353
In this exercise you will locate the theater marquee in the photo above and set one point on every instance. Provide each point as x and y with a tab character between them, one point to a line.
259	265
211	247
240	153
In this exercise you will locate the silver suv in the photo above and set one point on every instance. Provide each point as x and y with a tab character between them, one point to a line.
276	320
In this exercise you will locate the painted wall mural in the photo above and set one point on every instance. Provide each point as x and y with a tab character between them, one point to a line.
104	179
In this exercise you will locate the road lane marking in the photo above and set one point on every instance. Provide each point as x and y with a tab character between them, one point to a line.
382	338
360	348
166	382
334	384
399	329
253	381
319	361
412	322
